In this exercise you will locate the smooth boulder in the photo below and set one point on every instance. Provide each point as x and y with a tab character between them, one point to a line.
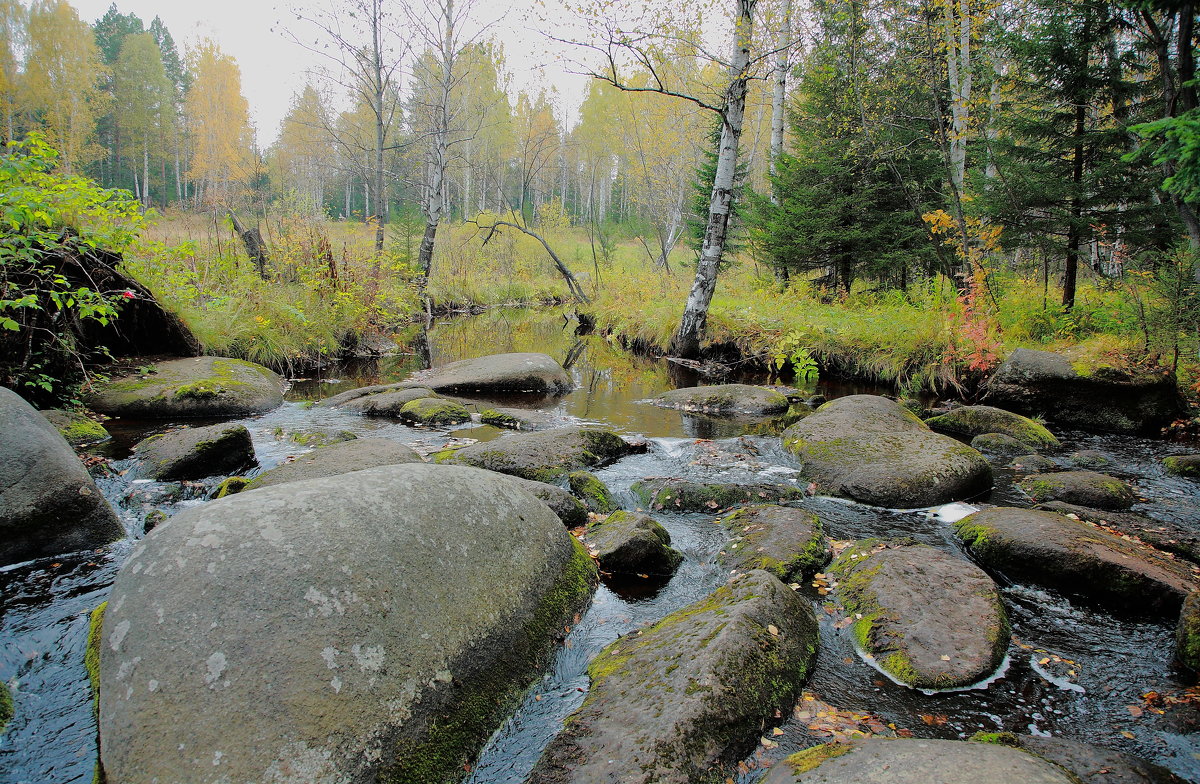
544	456
972	421
1091	764
1084	393
1085	488
915	761
336	459
929	619
195	452
789	543
682	495
632	543
724	400
375	626
49	503
1171	537
77	427
1050	549
499	373
673	702
190	388
875	451
385	402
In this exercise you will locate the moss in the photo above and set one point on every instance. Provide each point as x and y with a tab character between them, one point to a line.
434	411
1186	465
444	455
975	535
804	761
592	491
490	416
997	738
231	486
478	703
7	709
1187	634
78	428
91	653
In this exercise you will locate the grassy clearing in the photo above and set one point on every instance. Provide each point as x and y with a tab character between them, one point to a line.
327	285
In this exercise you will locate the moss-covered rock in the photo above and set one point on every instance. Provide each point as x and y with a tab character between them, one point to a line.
1089	458
569	509
675	703
789	543
915	761
736	400
592	492
682	495
7	708
195	452
314	438
385	400
153	519
1187	633
334	460
972	421
77	427
1000	445
632	543
1088	392
231	486
1085	488
91	652
929	619
1183	465
544	456
499	373
434	411
186	388
1052	550
1033	464
873	450
375	626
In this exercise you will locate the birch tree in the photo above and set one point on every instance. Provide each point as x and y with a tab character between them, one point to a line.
12	34
219	123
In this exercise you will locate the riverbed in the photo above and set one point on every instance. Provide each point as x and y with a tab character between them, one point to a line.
1072	670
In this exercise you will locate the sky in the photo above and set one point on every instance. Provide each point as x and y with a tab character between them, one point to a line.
274	67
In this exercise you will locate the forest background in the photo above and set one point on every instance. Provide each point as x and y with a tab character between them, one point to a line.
921	185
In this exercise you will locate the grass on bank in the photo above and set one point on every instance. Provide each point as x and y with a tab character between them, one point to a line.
326	285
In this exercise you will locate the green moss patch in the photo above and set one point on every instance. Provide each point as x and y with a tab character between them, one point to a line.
91	653
804	761
434	411
7	709
592	492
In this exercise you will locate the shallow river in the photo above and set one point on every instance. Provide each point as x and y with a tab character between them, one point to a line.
1072	670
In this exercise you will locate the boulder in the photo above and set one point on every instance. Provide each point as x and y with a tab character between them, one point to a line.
499	373
77	427
1050	549
915	761
1187	633
384	400
875	451
1000	444
632	543
724	400
1033	464
787	542
195	452
517	418
971	421
1089	458
1084	393
670	703
190	388
929	619
375	626
49	503
569	509
1183	465
1167	536
434	411
594	493
544	456
314	437
1085	488
1090	764
682	495
337	459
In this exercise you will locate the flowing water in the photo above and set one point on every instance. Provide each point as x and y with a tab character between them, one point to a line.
1072	670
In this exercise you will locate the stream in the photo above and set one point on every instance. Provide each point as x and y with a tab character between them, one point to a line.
1072	670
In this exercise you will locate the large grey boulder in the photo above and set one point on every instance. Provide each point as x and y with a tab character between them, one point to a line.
789	543
381	401
187	388
929	619
683	495
544	456
1085	488
673	702
631	543
971	421
1091	764
915	761
336	459
49	504
1050	549
724	400
499	373
873	450
374	626
1084	393
195	452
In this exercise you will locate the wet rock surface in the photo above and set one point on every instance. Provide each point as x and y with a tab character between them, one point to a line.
405	635
725	400
499	373
928	619
1166	535
789	543
196	452
687	696
544	456
873	450
682	495
49	504
1095	764
1050	549
1084	488
190	388
971	421
336	459
382	401
632	543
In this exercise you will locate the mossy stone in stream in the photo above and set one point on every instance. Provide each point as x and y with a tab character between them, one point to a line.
681	495
1183	465
7	708
434	411
972	421
544	456
787	542
77	427
592	492
1085	488
1187	633
631	543
194	387
91	652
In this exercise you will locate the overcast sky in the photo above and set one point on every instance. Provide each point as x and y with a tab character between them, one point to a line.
273	67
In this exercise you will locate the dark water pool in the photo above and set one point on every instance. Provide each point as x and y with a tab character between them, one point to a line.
1072	671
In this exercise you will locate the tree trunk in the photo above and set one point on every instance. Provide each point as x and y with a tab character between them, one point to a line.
256	248
425	254
686	341
1075	231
